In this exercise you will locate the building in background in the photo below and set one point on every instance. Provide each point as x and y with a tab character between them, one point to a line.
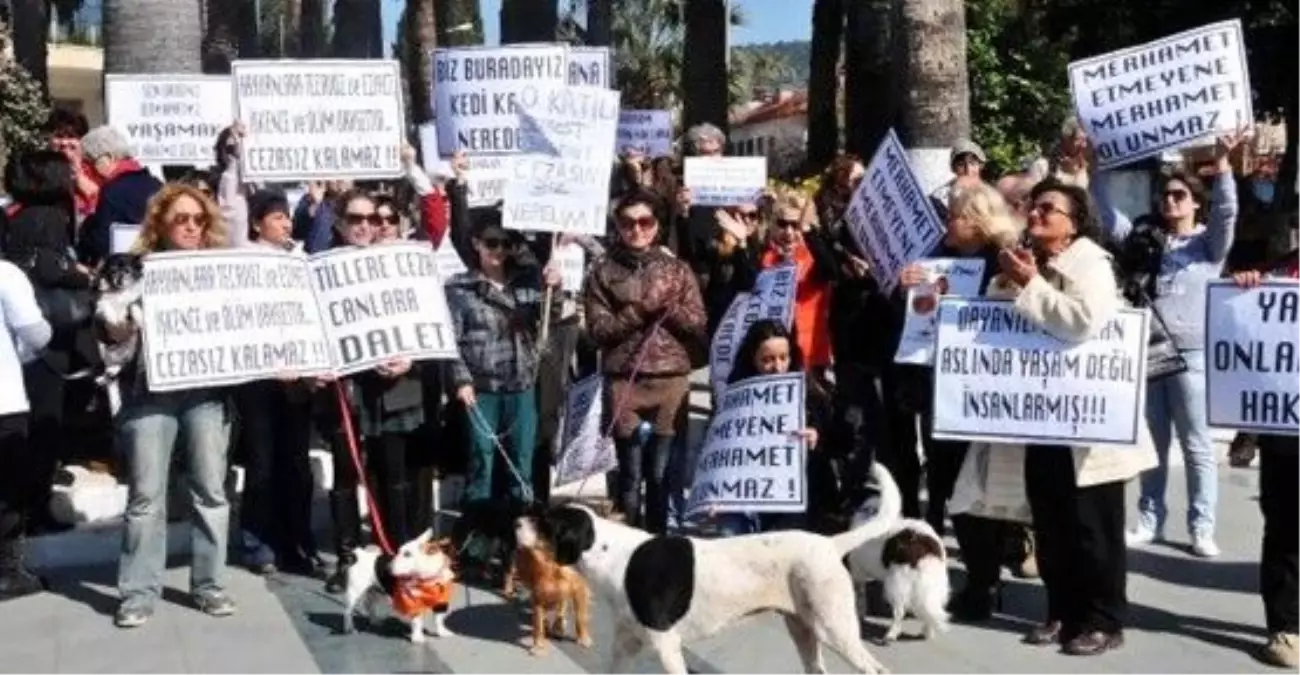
76	62
774	126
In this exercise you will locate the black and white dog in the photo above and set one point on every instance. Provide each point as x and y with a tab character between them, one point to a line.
666	590
118	293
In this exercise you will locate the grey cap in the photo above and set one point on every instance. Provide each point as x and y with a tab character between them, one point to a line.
966	146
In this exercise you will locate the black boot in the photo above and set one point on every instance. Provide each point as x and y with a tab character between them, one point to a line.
15	580
629	479
660	451
347	536
973	604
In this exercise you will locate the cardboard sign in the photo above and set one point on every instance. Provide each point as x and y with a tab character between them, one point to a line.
477	93
572	261
772	298
725	181
591	67
945	276
649	132
583	452
1252	357
448	260
170	119
122	236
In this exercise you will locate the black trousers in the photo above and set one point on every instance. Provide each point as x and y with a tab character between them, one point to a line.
20	467
554	375
45	394
1079	533
859	429
1279	465
273	442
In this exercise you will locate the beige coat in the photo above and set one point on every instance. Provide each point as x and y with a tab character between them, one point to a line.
1072	297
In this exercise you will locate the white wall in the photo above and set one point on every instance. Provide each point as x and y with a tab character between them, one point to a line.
782	141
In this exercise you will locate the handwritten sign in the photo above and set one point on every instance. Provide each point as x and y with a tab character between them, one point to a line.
892	220
772	298
944	276
1140	101
725	181
649	132
1252	369
591	67
448	260
562	183
753	458
170	119
215	318
583	452
572	261
999	378
478	92
317	119
122	237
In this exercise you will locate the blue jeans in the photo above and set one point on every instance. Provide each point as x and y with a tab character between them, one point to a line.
1177	403
149	427
512	416
736	524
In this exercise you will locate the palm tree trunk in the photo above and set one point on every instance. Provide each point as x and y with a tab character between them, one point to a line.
311	29
870	100
936	92
30	23
823	83
291	11
358	29
600	22
220	39
529	21
421	37
459	23
704	64
152	36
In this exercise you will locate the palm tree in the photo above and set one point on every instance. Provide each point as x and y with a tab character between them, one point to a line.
600	22
152	36
460	22
421	36
704	63
529	21
824	82
358	29
311	28
221	36
30	22
870	82
935	92
753	69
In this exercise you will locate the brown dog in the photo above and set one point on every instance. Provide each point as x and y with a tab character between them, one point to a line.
552	588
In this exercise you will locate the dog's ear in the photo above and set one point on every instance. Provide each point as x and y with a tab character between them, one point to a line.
569	531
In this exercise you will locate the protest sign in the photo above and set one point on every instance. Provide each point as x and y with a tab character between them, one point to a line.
561	184
725	181
224	317
1001	379
1252	345
448	260
945	276
591	67
1143	100
891	218
317	119
170	119
649	132
478	92
433	165
572	261
772	298
753	458
486	178
122	237
382	303
583	452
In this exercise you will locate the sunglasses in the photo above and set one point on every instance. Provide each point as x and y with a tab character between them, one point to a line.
494	243
1177	195
1043	209
644	223
787	224
391	219
362	218
199	219
747	215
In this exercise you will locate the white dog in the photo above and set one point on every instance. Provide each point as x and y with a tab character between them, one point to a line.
666	590
416	580
912	564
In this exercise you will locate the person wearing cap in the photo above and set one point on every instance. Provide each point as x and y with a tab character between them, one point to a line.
125	189
966	161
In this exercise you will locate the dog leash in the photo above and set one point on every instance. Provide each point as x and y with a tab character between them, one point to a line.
376	521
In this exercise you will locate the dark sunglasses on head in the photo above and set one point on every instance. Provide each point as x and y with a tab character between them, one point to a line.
494	242
360	218
1177	195
644	222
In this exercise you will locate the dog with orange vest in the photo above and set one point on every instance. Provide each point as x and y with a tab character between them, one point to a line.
417	580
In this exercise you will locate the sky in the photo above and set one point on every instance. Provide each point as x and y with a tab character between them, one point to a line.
766	20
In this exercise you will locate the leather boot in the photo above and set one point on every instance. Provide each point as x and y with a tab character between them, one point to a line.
656	484
347	536
629	479
15	580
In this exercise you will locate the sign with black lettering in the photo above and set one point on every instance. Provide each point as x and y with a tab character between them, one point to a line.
317	119
583	452
772	298
591	67
122	236
753	456
725	181
1140	101
649	132
944	276
999	378
224	317
478	92
561	183
890	216
170	119
221	317
1252	356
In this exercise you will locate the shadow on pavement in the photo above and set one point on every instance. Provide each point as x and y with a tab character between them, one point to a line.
1190	572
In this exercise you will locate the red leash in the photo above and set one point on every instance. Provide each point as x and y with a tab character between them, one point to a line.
376	522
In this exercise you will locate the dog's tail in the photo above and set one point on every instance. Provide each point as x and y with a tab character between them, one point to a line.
887	513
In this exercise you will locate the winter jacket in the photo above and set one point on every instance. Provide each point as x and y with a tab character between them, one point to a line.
122	199
812	301
496	330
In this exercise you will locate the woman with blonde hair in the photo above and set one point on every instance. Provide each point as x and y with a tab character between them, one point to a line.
177	218
788	241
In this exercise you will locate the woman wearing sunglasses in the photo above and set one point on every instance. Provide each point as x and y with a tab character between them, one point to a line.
787	245
1185	250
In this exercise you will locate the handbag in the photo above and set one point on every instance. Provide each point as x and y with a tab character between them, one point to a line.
1163	357
65	307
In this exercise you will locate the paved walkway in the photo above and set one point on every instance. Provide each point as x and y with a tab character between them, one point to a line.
1188	616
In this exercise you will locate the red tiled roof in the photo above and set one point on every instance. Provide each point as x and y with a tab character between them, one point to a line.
792	105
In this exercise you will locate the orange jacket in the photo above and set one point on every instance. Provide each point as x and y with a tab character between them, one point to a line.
812	300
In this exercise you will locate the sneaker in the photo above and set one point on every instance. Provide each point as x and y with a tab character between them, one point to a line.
1203	545
214	603
1281	651
131	616
1143	534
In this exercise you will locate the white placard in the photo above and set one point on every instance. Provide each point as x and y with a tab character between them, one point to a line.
1140	101
945	276
892	220
772	298
591	67
433	165
170	119
382	303
649	132
316	119
999	378
572	261
225	317
448	259
486	178
753	458
477	93
725	181
1252	356
122	236
583	452
562	183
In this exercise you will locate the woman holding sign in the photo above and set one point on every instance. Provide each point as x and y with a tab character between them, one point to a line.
178	218
1064	284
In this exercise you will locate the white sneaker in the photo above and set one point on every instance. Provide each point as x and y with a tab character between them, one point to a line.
1203	545
1143	534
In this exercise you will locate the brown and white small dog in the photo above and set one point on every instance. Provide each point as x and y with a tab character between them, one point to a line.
416	580
552	587
912	565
